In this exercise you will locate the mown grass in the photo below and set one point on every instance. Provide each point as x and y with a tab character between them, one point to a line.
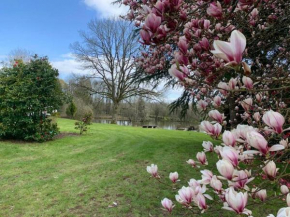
84	175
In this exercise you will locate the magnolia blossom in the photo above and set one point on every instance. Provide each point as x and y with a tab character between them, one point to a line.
230	154
216	184
288	199
225	168
236	201
223	87
167	204
217	116
173	177
201	105
213	130
260	194
229	138
284	189
208	146
191	162
206	176
257	116
232	83
270	170
180	72
241	179
152	22
185	195
274	120
215	9
257	141
247	104
201	157
153	170
284	212
248	82
200	201
217	101
231	52
193	184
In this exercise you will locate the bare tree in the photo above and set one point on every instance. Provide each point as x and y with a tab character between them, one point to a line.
108	50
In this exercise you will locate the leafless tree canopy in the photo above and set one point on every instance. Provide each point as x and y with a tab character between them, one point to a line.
108	50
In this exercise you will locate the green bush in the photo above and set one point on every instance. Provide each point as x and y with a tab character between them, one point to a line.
28	92
71	110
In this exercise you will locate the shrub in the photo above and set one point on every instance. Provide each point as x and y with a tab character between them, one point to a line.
71	110
28	92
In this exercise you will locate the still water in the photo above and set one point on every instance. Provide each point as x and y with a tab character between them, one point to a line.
168	125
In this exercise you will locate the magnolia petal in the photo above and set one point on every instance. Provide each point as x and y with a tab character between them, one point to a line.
238	42
228	208
277	148
219	54
208	196
224	47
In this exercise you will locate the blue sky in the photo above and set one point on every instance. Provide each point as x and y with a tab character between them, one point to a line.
48	27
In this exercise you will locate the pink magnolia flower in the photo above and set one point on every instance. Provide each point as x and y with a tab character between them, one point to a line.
213	130
208	146
241	179
201	105
284	212
215	10
185	195
217	116
270	170
274	120
257	141
173	177
216	184
217	101
231	52
146	37
193	184
248	82
288	199
153	170
223	87
233	83
167	204
260	194
225	168
230	154
201	157
284	189
236	201
247	104
191	162
257	116
200	201
206	176
229	138
152	22
183	45
181	73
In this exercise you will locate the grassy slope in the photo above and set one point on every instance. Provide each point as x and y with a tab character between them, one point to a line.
82	176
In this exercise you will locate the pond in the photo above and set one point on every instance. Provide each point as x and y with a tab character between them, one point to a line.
168	125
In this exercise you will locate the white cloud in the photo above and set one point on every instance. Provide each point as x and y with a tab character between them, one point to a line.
106	8
68	66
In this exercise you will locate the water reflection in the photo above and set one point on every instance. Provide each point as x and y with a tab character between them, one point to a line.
168	125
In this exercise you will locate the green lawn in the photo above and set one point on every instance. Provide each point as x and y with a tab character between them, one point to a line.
84	175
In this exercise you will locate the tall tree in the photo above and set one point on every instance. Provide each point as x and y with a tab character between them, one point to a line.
108	50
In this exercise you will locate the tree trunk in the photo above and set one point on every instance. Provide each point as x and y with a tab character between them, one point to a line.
115	113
